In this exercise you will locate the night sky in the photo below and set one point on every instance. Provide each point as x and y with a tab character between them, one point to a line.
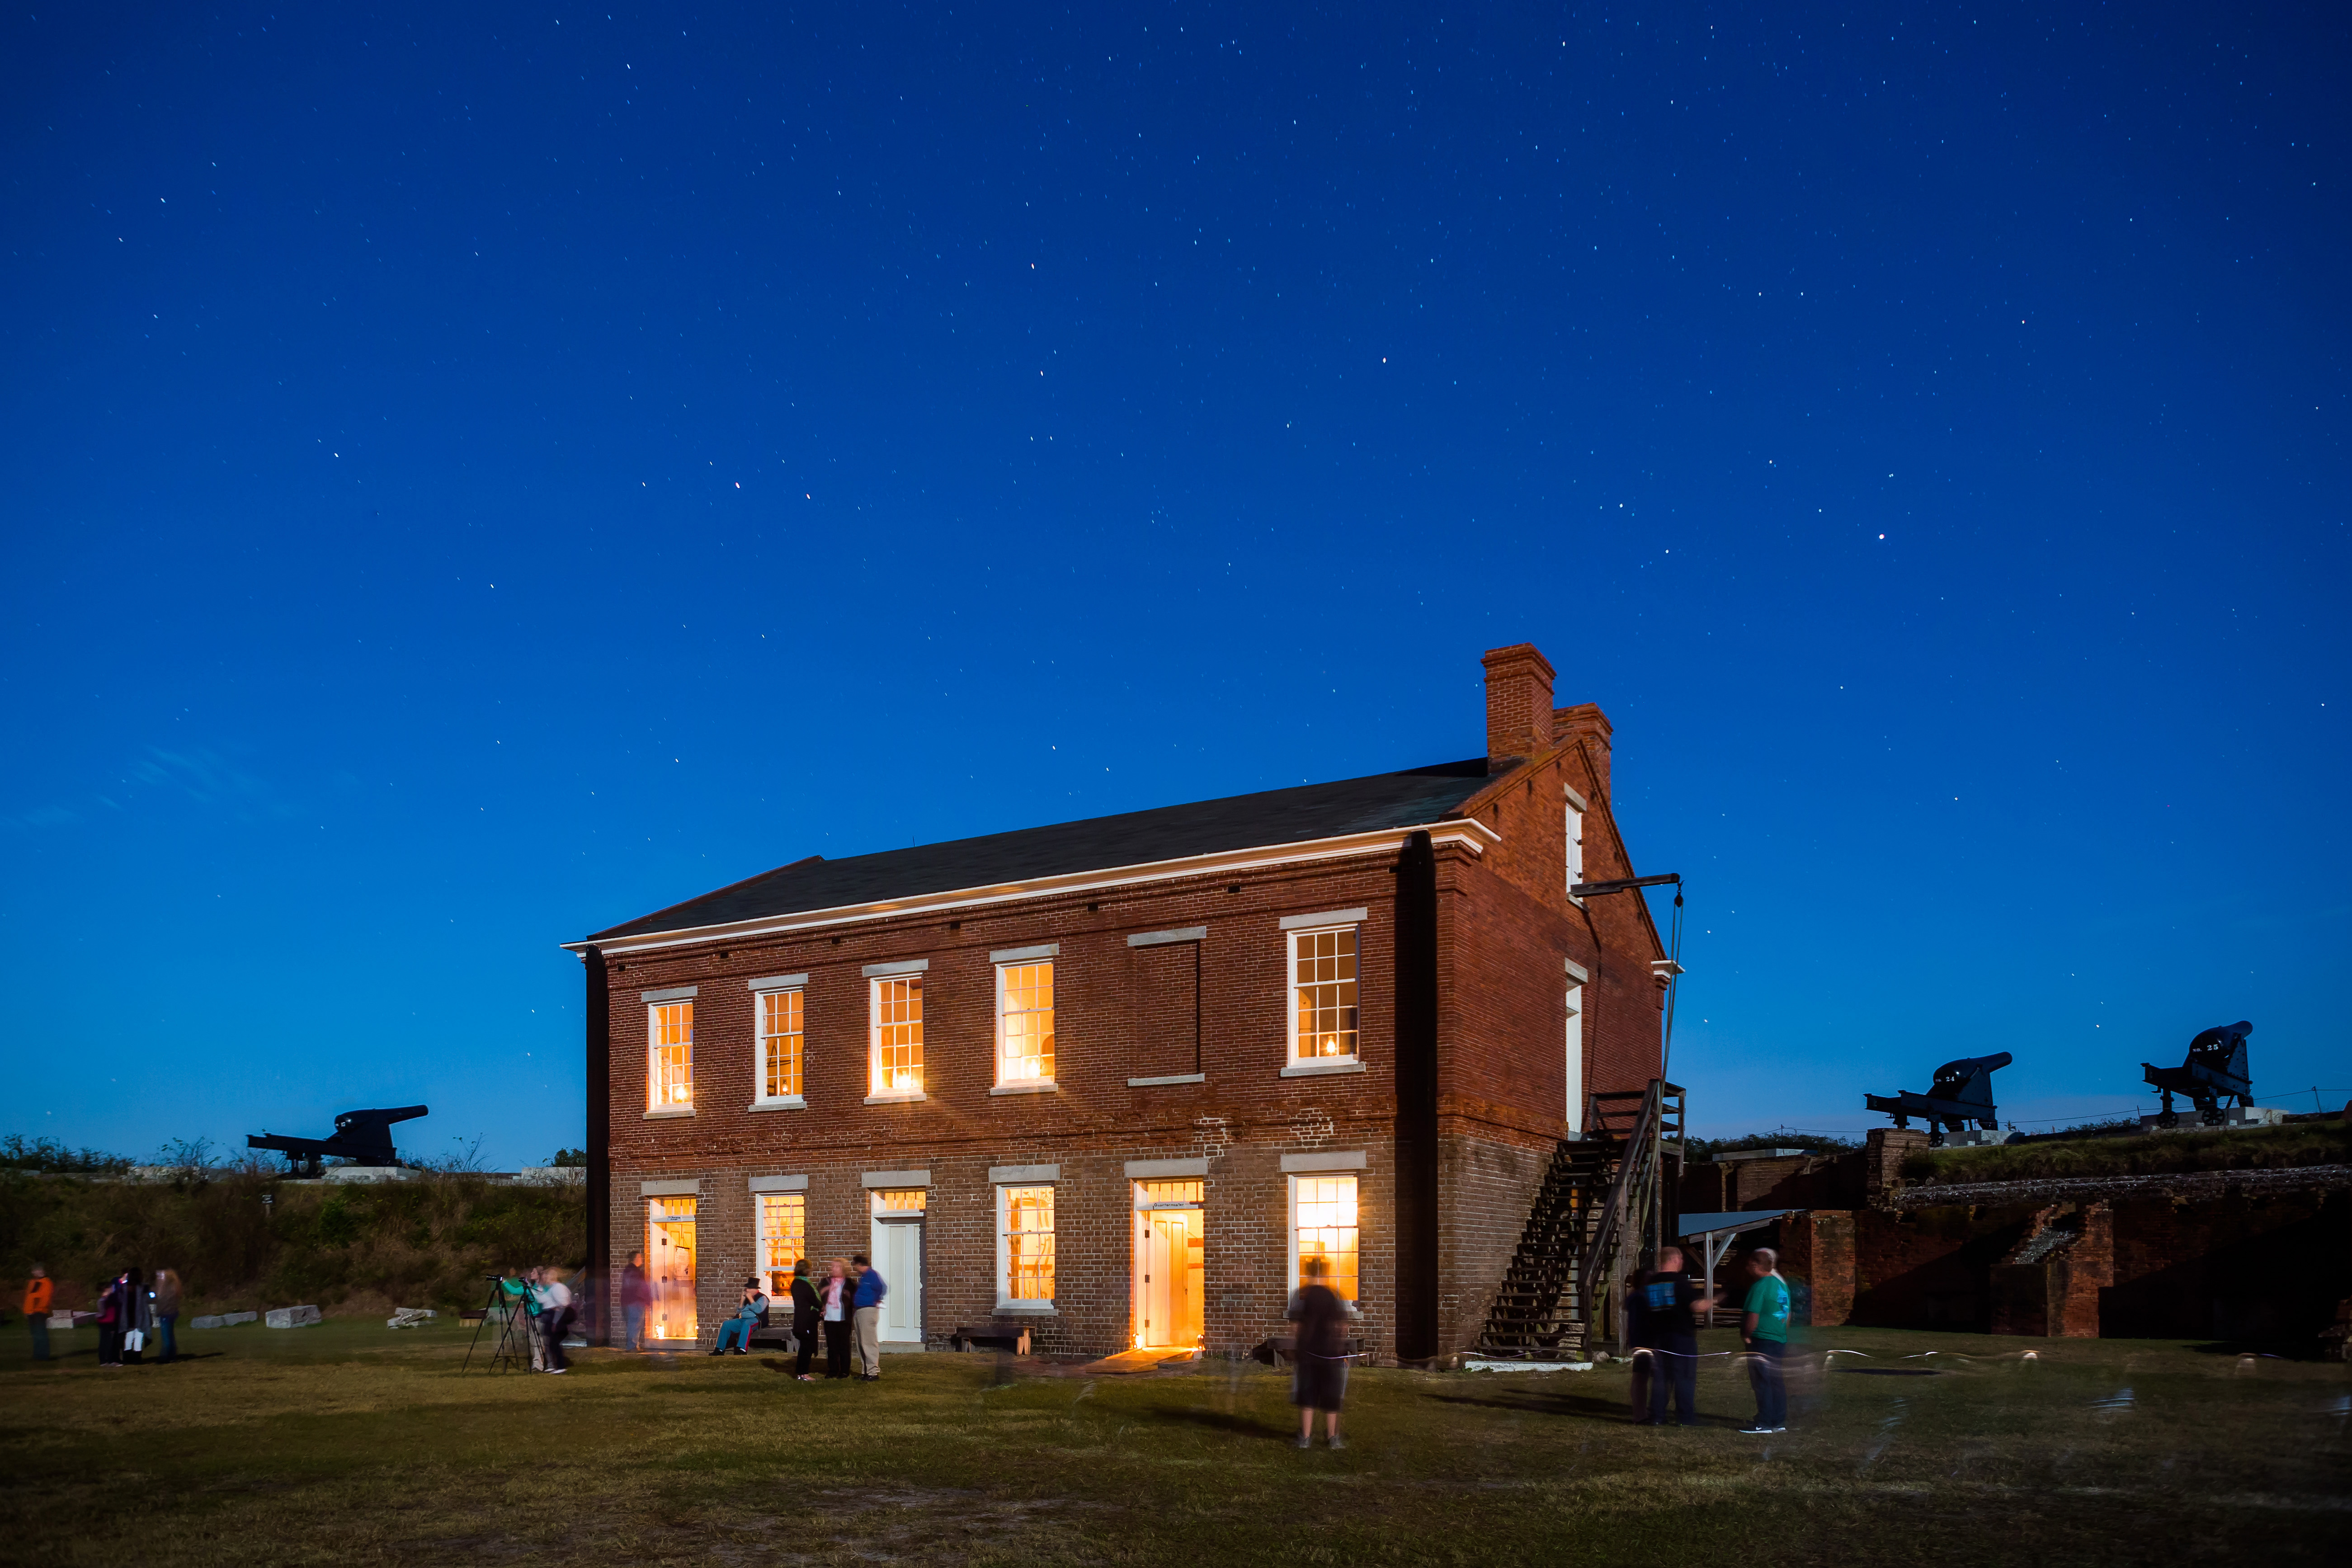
471	480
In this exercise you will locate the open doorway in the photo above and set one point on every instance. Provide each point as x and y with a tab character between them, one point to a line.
1170	1245
670	1260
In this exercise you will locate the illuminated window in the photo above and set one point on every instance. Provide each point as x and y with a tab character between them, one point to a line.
670	1264
780	1045
900	1200
1024	1243
1025	1023
783	1239
669	1075
898	1034
1323	1225
1167	1194
1323	994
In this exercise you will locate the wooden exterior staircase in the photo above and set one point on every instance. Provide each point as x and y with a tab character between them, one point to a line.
1607	1200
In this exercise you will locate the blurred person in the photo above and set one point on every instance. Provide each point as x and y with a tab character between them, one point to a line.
163	1301
839	1299
808	1311
871	1290
751	1314
39	1291
1320	1367
637	1295
1665	1327
1764	1329
113	1308
141	1319
554	1298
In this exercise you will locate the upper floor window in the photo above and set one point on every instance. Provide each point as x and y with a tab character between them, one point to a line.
898	1008
780	1046
1575	846
669	1067
1025	1023
1323	996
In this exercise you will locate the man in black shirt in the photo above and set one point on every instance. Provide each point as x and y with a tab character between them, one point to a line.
1663	1325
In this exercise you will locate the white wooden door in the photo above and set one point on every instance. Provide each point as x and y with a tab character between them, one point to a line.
1171	1277
898	1253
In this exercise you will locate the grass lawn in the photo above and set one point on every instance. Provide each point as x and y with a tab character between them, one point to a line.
351	1444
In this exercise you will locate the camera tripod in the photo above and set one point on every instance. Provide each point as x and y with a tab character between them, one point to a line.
513	1347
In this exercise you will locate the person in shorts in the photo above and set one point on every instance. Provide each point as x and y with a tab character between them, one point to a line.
1319	1371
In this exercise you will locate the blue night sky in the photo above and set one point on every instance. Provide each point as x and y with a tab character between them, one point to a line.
471	481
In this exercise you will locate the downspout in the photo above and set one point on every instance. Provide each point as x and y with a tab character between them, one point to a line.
599	1046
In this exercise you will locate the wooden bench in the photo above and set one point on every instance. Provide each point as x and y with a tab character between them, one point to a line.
776	1336
1000	1335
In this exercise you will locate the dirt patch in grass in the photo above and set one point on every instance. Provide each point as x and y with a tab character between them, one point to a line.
350	1444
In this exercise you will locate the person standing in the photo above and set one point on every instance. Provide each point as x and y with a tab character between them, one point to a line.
1764	1328
1318	1379
554	1298
39	1291
1665	1326
839	1298
163	1301
808	1309
872	1289
116	1308
637	1295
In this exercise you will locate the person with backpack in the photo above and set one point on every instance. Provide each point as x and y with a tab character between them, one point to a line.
751	1314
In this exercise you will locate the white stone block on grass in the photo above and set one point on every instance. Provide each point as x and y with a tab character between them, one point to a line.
208	1322
231	1320
408	1317
293	1316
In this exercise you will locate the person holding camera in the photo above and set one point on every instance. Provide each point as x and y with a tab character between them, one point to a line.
751	1314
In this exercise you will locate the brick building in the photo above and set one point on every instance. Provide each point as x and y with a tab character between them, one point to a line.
1115	1078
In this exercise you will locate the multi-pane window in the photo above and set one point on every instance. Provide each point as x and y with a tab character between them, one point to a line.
1323	1225
780	1045
1025	1023
1026	1243
898	1034
669	1074
1167	1194
901	1199
1323	994
783	1239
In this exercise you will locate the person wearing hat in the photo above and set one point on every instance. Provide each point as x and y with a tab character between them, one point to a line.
751	1314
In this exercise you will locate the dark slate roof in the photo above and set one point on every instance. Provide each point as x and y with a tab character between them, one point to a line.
1406	799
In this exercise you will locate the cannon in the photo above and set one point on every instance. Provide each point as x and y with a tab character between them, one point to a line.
1961	1093
2216	1069
362	1137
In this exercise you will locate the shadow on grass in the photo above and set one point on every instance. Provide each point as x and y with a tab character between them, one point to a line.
1218	1421
1587	1406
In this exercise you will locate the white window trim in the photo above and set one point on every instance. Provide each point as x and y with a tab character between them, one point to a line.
873	983
1038	1306
1010	958
1290	1227
1293	1064
760	1226
1572	843
759	1099
680	997
1572	1054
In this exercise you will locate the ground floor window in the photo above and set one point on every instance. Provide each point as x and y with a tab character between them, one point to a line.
669	1264
783	1240
1323	1224
1025	1245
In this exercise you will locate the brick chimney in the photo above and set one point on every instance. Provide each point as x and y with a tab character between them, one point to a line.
1587	722
1518	705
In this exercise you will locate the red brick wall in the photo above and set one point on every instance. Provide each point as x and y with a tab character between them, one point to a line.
2262	1269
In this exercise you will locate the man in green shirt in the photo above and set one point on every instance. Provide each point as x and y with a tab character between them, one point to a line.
1764	1326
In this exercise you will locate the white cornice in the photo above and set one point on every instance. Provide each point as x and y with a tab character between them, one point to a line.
1468	832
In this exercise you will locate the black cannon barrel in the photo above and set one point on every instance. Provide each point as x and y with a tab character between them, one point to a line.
1975	1064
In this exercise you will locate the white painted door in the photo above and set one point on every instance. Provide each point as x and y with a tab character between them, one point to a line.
898	1253
1171	1277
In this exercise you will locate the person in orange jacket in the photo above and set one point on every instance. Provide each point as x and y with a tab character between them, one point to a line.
37	1292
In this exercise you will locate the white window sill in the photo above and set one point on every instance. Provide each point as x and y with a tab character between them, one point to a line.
668	1111
1319	1069
1027	1310
897	1097
1033	1085
789	1103
1172	1077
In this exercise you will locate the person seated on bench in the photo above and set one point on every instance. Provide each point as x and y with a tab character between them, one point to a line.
751	1314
